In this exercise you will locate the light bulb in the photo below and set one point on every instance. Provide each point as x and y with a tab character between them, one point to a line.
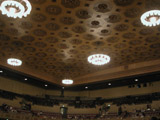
153	20
12	10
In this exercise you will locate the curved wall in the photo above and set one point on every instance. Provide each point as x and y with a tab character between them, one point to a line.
22	88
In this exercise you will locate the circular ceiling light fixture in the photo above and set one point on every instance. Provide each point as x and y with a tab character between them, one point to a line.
14	62
67	81
86	87
109	84
151	18
136	80
99	59
15	8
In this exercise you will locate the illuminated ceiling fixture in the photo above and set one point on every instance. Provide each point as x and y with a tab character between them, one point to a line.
98	59
15	8
109	84
14	62
151	18
136	80
67	81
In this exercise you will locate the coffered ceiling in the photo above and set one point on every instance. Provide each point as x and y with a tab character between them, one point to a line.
55	40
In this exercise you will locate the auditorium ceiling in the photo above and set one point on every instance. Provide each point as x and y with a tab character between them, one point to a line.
55	40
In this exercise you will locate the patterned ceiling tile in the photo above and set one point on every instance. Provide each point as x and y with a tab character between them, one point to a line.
75	41
85	47
129	35
40	44
53	10
30	49
112	39
2	24
12	31
4	38
132	12
52	26
38	1
41	54
64	34
27	38
73	51
51	39
102	7
25	25
32	59
20	54
140	48
95	24
17	44
121	27
155	45
123	2
39	32
89	37
146	31
51	50
83	14
135	42
66	20
98	43
78	29
62	46
150	4
71	3
104	32
137	23
152	39
113	18
8	49
120	45
38	17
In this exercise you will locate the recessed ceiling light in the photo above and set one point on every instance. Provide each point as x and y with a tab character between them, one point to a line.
86	87
46	85
98	59
67	81
151	18
25	79
14	62
109	84
15	8
62	87
1	71
136	80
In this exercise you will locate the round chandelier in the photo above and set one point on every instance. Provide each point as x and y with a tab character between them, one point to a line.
15	8
67	81
99	59
151	18
14	62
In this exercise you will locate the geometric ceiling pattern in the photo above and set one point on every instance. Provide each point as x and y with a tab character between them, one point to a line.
59	35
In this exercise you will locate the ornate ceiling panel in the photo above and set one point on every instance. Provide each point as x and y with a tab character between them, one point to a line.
59	35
